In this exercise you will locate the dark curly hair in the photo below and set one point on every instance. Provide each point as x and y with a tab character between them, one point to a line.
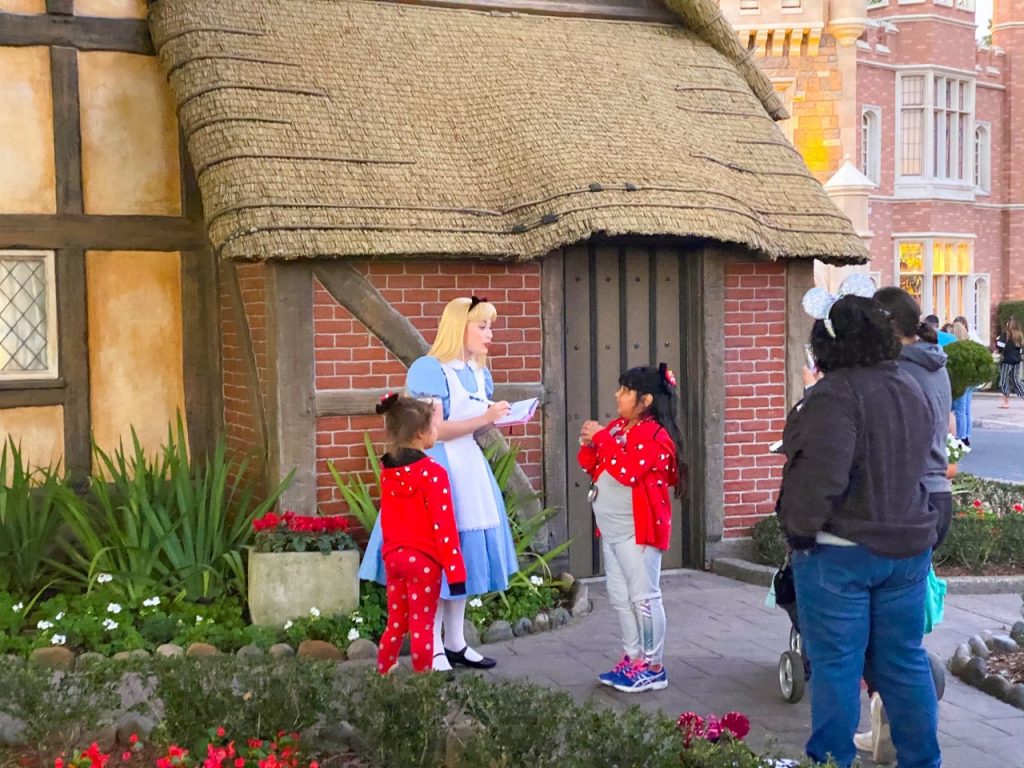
657	382
864	336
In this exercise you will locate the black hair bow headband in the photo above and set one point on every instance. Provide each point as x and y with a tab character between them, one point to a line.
474	300
386	402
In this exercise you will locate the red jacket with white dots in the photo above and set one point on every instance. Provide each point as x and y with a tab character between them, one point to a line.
416	513
644	461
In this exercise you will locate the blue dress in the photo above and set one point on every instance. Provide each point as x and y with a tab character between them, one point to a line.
484	532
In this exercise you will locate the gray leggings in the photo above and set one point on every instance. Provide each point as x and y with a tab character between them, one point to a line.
633	575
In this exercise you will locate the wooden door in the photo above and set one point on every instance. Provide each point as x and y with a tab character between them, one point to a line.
627	303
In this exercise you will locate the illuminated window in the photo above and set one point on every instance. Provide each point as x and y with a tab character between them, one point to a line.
912	269
28	326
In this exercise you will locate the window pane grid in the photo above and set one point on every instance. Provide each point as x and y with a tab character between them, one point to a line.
23	316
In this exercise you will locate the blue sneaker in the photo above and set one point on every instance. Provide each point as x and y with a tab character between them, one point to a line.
640	677
613	676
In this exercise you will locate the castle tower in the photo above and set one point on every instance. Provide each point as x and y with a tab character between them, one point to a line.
1008	34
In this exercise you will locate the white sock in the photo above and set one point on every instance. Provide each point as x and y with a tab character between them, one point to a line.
440	662
454	622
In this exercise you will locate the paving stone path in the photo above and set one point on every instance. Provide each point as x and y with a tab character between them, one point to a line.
722	654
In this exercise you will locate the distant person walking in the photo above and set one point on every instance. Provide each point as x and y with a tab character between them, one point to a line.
1010	342
962	405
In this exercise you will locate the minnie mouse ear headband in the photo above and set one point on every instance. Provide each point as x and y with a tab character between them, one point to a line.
474	300
818	302
386	403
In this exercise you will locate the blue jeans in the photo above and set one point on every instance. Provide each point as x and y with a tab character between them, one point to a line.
859	609
962	411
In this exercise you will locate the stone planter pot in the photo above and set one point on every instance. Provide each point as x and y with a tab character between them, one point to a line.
285	585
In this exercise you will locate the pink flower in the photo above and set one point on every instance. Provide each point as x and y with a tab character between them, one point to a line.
736	723
126	756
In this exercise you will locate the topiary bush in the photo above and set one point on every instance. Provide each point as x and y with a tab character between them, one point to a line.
769	543
969	364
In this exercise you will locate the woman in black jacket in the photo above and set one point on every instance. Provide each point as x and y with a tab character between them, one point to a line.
857	516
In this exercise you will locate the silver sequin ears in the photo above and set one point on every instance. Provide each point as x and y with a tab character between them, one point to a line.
818	302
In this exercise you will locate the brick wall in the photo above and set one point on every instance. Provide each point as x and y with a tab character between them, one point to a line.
755	391
241	423
348	356
811	87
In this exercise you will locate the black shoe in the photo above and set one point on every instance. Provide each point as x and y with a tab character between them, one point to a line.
459	658
966	441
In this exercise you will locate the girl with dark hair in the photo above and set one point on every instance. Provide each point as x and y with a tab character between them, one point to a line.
857	517
420	540
1010	343
632	463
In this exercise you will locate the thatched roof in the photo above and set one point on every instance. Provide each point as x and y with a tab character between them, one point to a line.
356	128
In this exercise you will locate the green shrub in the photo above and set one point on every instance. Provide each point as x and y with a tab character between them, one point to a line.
769	543
969	364
29	519
1006	310
164	525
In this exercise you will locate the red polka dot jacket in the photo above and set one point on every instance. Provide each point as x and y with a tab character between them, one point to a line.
643	458
416	513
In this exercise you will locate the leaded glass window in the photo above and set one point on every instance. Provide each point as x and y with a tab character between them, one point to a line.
27	315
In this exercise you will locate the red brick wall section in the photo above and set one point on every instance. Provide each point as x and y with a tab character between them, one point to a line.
348	356
240	418
755	391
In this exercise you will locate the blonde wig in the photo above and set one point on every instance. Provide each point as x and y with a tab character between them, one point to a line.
450	342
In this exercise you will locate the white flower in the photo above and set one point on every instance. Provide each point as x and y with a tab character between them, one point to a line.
58	640
113	608
536	581
109	625
150	602
199	619
314	612
353	634
17	607
288	624
44	625
357	619
476	602
103	578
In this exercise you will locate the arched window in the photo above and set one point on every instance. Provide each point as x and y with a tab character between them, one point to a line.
983	158
871	143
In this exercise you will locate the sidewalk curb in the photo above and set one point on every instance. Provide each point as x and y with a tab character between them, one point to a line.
761	575
996	424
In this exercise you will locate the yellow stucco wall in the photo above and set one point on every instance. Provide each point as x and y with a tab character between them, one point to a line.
23	6
27	180
135	345
39	431
130	161
135	9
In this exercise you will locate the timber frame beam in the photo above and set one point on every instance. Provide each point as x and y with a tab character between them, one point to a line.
621	10
84	33
101	233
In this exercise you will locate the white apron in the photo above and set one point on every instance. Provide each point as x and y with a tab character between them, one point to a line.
475	506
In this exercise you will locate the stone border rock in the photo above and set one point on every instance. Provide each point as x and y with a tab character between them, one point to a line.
970	663
761	575
579	602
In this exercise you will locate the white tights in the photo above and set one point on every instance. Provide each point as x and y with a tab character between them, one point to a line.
449	621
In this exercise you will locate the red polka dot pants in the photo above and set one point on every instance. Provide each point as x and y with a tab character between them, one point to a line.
414	583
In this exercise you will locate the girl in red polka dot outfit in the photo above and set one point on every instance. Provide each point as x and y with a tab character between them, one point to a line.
419	534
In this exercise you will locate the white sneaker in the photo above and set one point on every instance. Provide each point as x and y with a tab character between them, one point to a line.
882	748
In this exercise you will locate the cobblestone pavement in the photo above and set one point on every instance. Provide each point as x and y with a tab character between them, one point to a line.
722	653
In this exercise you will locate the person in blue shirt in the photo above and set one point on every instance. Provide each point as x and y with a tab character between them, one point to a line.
944	337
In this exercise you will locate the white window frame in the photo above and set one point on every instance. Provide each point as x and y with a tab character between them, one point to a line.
980	317
871	143
965	5
982	157
928	184
52	352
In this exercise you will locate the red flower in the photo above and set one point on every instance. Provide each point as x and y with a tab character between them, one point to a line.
220	731
736	723
977	503
239	762
255	744
314	764
1018	507
126	756
133	739
58	763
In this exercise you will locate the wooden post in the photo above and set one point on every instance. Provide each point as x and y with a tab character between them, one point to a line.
707	482
799	280
291	382
552	309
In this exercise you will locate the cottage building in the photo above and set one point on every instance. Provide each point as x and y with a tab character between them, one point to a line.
609	174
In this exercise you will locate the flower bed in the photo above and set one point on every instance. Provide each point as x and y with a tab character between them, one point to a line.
290	714
994	662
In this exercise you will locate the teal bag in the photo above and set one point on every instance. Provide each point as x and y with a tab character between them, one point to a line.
934	601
